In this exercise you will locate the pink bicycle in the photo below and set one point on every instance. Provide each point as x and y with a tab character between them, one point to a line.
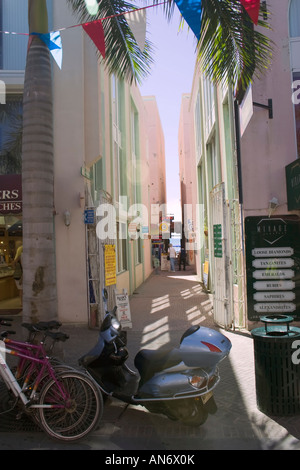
64	402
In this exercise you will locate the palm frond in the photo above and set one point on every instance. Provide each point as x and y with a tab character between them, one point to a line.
168	7
230	48
123	56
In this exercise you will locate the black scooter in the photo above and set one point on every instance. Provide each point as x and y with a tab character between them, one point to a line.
177	382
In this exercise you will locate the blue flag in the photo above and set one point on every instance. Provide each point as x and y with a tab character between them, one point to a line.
53	41
191	12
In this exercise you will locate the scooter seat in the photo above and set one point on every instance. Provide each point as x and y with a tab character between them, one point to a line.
149	361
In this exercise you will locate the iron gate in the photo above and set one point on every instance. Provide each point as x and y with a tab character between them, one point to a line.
220	257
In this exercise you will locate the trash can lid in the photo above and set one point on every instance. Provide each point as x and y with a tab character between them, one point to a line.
276	326
275	332
276	319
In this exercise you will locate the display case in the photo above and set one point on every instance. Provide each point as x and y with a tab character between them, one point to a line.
6	271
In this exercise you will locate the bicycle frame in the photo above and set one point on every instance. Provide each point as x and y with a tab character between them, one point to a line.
25	351
25	348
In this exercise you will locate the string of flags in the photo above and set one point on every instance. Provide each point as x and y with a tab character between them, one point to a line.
252	8
190	10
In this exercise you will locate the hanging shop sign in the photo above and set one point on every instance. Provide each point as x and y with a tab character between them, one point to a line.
10	194
205	273
110	265
85	172
273	266
89	216
292	173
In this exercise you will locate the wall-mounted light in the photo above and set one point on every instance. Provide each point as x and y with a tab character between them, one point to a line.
67	218
273	204
81	199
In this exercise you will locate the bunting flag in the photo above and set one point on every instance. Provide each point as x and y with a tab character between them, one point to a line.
191	12
252	8
53	41
96	33
137	23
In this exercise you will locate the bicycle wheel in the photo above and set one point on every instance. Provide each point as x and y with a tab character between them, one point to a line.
34	412
73	406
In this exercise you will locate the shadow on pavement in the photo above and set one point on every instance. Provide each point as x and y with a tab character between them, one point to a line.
162	308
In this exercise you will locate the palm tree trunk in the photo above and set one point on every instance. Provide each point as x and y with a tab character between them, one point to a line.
39	279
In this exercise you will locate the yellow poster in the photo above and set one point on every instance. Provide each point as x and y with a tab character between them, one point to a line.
110	265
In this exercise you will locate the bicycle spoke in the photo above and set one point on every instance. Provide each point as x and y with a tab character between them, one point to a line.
75	412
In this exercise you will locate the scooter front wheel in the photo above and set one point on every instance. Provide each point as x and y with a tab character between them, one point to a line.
190	411
193	412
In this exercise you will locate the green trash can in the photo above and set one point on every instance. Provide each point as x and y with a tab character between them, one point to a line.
277	377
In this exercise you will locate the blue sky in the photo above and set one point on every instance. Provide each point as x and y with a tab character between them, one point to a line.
172	75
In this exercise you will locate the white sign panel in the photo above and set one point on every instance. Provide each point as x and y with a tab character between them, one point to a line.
274	307
279	251
165	263
274	296
246	110
274	274
123	311
275	285
273	263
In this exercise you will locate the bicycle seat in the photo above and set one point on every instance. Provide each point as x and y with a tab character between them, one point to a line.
42	326
30	326
49	325
58	336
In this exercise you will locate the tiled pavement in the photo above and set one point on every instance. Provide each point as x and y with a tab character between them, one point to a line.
161	309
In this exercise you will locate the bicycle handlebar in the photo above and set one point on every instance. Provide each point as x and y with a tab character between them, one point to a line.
5	321
5	334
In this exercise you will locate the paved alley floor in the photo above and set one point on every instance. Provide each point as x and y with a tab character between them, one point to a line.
162	308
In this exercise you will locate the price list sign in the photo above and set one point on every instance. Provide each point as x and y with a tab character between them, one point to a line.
273	266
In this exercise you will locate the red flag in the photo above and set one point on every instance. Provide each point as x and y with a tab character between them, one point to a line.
96	33
252	8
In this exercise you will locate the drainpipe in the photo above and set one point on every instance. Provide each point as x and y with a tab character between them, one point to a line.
240	180
238	149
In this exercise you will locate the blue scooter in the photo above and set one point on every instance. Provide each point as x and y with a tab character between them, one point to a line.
177	382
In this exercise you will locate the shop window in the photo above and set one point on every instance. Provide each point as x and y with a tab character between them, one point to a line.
294	18
10	241
13	47
296	79
121	242
118	162
294	26
11	134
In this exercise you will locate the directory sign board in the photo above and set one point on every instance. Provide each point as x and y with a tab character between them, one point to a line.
273	266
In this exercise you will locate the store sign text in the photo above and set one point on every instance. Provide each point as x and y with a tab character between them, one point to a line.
10	194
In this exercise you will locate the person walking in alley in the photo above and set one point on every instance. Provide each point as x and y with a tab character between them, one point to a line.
172	255
18	266
182	258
